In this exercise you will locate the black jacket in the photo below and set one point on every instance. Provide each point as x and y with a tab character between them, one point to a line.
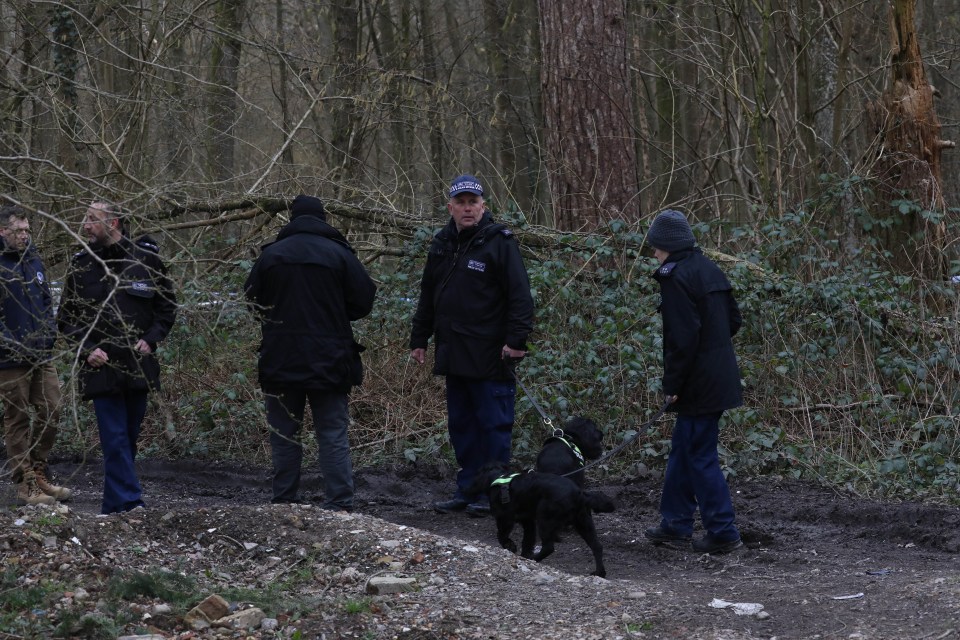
27	327
306	288
112	298
700	317
474	298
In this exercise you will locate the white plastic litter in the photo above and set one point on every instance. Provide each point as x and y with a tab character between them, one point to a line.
739	608
849	597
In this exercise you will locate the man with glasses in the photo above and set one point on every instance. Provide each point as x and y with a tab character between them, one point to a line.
118	304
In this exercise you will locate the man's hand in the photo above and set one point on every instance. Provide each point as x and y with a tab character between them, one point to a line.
143	347
671	400
97	358
511	354
418	355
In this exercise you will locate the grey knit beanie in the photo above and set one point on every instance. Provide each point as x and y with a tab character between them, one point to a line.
670	232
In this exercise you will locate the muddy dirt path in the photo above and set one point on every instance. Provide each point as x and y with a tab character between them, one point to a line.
822	564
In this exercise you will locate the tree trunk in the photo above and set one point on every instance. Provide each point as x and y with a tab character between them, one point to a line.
225	67
283	82
437	158
347	134
506	22
587	110
909	149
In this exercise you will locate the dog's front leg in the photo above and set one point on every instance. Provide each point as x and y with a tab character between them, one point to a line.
504	529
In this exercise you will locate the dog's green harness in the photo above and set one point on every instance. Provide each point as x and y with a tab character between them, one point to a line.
558	435
504	483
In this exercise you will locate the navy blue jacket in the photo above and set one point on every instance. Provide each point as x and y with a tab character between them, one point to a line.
474	298
700	317
27	327
112	298
306	288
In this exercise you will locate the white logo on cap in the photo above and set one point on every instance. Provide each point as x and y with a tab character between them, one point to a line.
466	185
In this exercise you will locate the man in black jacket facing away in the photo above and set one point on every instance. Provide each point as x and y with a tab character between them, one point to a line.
700	380
118	304
307	287
475	301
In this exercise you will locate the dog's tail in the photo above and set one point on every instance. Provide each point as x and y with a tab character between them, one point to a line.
599	502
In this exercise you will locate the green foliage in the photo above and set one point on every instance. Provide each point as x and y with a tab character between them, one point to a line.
176	589
30	609
850	371
355	607
95	626
18	605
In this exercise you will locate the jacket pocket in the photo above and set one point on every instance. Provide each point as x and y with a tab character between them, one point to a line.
356	364
474	352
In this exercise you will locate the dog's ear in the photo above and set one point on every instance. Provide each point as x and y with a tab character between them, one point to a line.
580	424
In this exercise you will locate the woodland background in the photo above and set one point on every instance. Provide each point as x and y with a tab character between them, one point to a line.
809	141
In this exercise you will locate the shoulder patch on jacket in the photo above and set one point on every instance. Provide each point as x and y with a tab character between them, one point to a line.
506	232
148	243
667	269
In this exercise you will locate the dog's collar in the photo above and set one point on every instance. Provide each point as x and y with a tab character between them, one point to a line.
558	435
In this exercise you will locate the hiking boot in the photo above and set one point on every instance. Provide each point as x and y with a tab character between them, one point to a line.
338	508
709	544
29	493
58	493
478	509
661	535
449	506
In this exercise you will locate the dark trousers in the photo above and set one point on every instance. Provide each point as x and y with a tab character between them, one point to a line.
330	419
480	423
693	478
119	417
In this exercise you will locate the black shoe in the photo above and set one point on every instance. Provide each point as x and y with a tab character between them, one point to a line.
708	544
478	509
661	535
449	506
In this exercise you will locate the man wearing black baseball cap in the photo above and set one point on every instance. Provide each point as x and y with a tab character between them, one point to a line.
475	302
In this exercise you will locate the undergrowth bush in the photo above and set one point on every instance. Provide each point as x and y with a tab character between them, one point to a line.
850	372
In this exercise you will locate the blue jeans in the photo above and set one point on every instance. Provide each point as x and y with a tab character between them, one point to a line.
480	423
693	478
119	417
330	419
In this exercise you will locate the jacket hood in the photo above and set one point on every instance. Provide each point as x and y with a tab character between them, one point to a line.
312	225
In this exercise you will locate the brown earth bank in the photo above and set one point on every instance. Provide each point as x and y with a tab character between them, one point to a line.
822	564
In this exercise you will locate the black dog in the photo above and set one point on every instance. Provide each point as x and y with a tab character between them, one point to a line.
563	453
542	503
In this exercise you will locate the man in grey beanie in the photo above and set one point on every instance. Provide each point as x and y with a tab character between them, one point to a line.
701	380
